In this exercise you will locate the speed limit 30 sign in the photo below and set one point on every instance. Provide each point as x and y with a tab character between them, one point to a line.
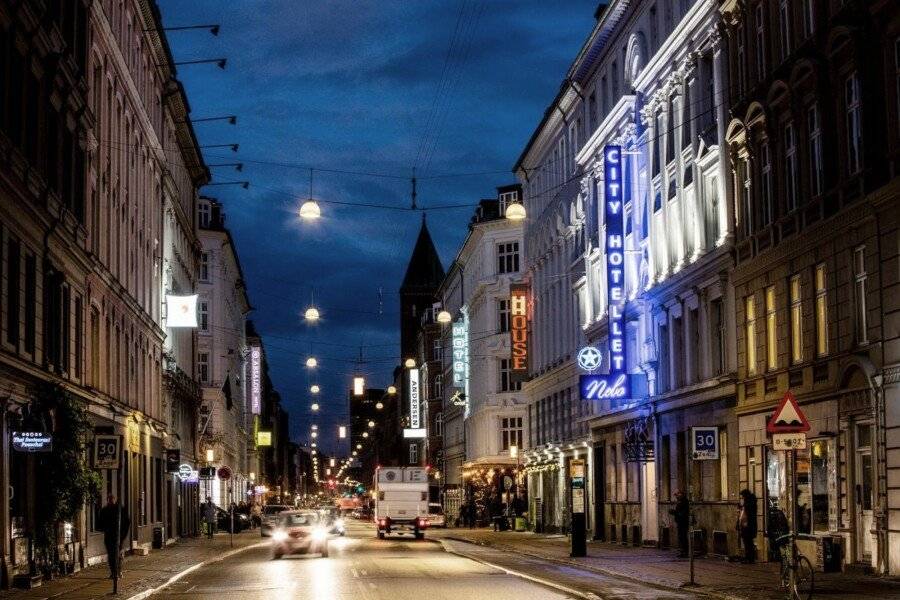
107	449
705	443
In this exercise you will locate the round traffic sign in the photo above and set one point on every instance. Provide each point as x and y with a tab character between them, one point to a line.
224	473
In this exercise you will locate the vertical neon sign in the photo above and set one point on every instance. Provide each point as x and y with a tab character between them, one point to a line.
518	331
255	380
615	257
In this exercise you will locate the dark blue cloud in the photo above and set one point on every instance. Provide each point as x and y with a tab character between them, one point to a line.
349	85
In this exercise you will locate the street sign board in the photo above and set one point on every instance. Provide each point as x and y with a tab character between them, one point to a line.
207	472
32	441
185	471
107	449
577	500
224	473
789	441
705	443
788	417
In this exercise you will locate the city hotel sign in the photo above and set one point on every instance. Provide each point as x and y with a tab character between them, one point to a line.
255	380
518	331
617	383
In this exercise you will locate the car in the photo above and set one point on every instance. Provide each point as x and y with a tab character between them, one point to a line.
436	516
299	532
223	521
333	520
270	514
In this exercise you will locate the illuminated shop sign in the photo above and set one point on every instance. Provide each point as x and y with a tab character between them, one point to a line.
616	384
181	311
415	424
255	379
460	353
263	438
32	441
518	331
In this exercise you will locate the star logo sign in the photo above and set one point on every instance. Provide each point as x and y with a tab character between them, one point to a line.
589	358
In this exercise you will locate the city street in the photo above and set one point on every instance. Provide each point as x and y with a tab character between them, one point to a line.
359	567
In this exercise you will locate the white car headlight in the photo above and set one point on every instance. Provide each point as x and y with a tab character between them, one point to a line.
279	535
319	534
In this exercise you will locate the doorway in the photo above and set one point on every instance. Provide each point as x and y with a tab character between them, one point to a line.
863	491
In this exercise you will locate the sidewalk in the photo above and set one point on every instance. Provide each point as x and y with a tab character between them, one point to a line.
140	572
716	576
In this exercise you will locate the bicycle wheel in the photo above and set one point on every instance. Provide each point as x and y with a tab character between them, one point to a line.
804	578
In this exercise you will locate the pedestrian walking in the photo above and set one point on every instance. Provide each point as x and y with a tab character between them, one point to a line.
115	529
682	515
209	516
747	525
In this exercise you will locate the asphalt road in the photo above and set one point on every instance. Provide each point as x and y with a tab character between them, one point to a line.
360	567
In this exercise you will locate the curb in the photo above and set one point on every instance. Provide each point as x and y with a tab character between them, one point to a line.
616	575
508	571
150	591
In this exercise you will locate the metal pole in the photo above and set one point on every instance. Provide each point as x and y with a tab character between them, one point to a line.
793	463
231	511
118	569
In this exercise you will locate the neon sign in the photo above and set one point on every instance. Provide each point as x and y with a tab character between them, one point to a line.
617	384
255	380
518	331
460	353
414	421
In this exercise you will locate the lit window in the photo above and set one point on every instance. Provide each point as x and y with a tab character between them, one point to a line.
790	166
796	320
853	124
203	311
203	367
750	319
510	433
508	257
771	329
821	312
859	267
816	171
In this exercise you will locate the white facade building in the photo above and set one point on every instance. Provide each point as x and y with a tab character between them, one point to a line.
223	357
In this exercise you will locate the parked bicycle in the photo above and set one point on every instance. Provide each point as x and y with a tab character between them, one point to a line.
797	577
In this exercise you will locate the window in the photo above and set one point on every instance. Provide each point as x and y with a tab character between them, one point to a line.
853	124
768	184
439	424
723	464
814	129
784	17
796	320
654	30
771	329
809	17
859	269
506	382
203	366
790	167
505	199
503	315
203	214
508	257
204	266
821	312
750	321
30	301
438	385
743	183
897	75
13	287
510	433
203	309
437	350
592	113
760	41
414	456
741	58
717	331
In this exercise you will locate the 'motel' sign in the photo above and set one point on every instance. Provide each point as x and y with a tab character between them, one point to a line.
616	384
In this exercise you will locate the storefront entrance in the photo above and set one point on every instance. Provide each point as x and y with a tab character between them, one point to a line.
864	474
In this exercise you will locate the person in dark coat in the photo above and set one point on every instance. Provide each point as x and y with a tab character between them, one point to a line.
110	521
682	514
747	525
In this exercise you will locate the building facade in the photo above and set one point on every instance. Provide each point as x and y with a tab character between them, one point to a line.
813	142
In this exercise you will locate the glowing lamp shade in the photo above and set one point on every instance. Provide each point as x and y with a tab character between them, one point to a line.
314	434
210	455
410	363
379	405
444	317
515	212
181	311
311	362
310	211
365	434
359	446
354	453
311	314
331	462
359	386
371	424
315	389
392	389
314	406
314	427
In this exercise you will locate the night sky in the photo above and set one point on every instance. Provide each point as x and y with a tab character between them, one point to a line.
368	87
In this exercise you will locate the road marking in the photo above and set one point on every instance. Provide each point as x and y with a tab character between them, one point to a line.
364	572
355	574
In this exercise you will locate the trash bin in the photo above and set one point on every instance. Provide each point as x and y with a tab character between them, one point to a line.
520	524
159	537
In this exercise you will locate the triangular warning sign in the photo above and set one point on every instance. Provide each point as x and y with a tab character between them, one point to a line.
788	417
